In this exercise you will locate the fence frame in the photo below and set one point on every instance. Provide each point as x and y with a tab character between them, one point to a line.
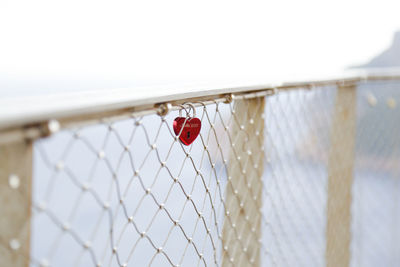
340	177
16	192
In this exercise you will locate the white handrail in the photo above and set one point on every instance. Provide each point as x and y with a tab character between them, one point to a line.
25	111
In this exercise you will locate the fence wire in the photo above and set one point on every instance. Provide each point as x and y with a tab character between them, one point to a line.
297	141
250	191
376	188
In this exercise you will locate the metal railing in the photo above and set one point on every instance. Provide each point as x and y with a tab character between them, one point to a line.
289	174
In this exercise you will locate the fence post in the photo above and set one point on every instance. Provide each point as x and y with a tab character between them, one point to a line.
340	177
243	195
15	199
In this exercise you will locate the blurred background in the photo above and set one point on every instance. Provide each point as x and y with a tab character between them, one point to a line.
52	46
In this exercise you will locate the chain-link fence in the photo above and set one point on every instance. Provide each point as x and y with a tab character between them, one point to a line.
253	189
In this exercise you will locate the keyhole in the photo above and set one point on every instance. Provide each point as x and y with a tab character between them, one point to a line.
188	135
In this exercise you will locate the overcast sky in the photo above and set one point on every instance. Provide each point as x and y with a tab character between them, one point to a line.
188	40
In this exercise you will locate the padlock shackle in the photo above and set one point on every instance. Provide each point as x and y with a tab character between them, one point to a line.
191	107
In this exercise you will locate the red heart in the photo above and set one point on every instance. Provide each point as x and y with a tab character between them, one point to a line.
191	129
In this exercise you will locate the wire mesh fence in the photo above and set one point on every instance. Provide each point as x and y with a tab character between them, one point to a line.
375	207
130	192
251	190
295	179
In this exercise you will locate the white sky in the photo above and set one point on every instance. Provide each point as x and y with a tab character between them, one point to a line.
184	40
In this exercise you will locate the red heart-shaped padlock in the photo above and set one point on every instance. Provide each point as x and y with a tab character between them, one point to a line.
191	129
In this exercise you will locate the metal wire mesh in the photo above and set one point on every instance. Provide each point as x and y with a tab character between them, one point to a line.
250	191
297	132
376	188
129	192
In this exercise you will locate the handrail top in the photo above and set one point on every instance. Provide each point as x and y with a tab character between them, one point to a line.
22	111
